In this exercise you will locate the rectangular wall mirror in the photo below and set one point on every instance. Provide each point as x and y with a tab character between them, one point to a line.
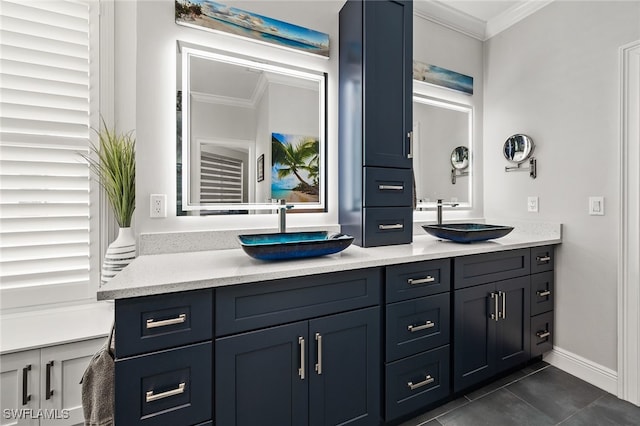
249	133
441	131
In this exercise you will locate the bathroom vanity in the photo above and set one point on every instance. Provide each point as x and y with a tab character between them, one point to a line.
364	337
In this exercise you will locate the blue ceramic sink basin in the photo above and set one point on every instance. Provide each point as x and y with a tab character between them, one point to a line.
293	245
467	232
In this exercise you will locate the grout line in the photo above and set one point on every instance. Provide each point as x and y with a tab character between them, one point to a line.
530	405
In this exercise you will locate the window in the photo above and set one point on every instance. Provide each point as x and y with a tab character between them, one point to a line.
48	216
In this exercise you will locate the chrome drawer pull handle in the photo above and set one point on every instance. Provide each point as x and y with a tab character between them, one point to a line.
414	328
151	323
427	380
503	314
495	315
428	279
543	334
150	397
394	226
543	258
544	293
301	370
391	187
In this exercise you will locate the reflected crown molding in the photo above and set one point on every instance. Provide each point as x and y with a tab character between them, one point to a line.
447	16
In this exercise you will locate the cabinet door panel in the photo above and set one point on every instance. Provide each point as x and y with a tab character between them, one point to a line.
257	377
541	333
474	336
389	36
542	293
16	370
345	383
512	333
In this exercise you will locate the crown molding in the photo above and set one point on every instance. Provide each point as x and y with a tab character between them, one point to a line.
221	100
512	16
449	17
440	13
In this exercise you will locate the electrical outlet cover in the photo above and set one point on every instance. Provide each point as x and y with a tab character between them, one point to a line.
532	204
158	205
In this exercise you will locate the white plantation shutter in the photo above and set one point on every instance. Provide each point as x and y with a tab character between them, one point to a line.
45	187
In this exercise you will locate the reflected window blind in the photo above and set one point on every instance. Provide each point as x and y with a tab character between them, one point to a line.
45	185
220	179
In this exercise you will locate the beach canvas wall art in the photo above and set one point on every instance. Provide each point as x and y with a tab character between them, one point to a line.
210	15
442	77
295	168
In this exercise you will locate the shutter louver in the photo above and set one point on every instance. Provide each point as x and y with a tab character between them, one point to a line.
44	124
220	179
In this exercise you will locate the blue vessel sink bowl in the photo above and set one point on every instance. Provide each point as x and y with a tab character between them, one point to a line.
293	245
467	232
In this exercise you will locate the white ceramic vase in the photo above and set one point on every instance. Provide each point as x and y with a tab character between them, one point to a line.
119	254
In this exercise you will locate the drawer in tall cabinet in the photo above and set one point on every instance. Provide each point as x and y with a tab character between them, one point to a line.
417	325
541	333
542	293
542	259
387	225
151	323
415	382
171	387
385	187
417	279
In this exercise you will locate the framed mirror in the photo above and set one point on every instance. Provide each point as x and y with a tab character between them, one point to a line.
249	133
442	160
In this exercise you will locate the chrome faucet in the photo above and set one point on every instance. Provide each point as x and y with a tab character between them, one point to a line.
282	215
439	206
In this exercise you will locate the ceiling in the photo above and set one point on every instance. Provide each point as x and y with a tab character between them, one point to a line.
481	19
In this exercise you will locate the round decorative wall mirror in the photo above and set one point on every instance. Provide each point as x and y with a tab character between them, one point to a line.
518	148
460	157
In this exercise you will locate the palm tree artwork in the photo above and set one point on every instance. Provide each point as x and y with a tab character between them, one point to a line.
295	167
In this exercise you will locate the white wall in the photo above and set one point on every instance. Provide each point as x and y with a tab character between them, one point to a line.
554	76
437	45
153	64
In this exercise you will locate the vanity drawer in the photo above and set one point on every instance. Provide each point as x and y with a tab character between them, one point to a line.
542	259
151	323
387	226
258	305
417	279
542	293
541	334
417	381
417	325
385	187
172	387
485	268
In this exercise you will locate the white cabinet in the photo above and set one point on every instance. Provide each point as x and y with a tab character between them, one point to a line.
42	386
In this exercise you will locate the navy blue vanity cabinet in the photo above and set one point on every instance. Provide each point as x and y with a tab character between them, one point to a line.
418	333
163	364
299	351
542	299
375	121
491	319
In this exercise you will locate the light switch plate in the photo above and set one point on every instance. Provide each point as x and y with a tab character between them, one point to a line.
596	206
532	204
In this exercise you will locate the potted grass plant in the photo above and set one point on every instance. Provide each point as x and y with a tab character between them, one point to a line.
114	166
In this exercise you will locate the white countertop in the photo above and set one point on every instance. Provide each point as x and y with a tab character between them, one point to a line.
174	272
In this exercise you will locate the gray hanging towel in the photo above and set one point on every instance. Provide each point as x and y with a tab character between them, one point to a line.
97	387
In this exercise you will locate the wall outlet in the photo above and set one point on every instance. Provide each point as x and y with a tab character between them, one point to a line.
596	206
158	204
532	204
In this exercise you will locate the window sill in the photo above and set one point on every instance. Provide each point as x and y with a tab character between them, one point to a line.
54	326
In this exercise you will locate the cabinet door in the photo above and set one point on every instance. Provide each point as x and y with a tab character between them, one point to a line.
345	369
474	335
388	45
61	371
512	334
19	391
261	377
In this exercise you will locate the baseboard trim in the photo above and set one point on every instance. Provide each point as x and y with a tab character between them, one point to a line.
589	371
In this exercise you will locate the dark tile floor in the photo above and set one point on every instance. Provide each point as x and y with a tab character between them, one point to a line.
538	395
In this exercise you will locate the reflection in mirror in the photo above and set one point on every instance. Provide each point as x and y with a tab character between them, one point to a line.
442	134
518	148
249	133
